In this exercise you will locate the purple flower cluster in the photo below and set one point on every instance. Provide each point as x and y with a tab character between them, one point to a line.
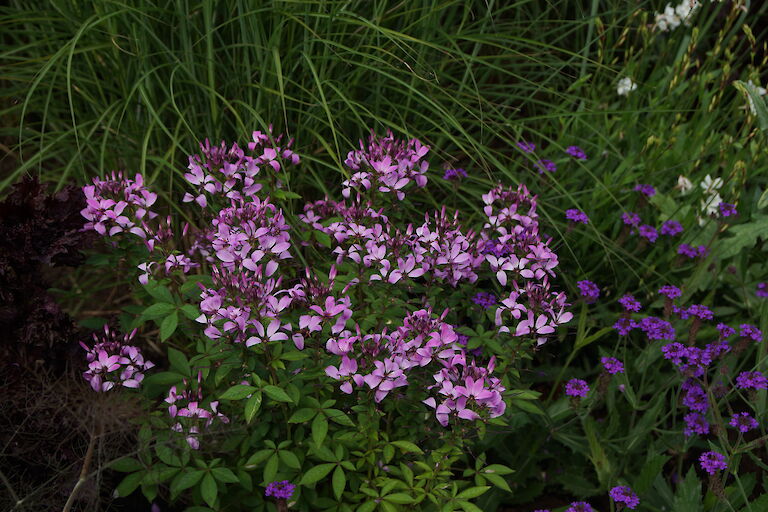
589	291
762	290
113	361
576	216
712	462
386	165
648	232
545	165
526	147
752	380
454	174
686	250
727	209
485	299
646	190
612	365
725	331
580	506
743	422
577	388
695	423
671	228
190	414
280	490
751	332
629	303
694	361
656	328
669	291
695	311
630	218
624	495
576	152
117	205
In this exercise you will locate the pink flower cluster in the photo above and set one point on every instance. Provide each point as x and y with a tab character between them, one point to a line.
386	165
118	204
113	361
187	408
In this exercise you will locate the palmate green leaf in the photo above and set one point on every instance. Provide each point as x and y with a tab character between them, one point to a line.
270	470
316	474
179	361
168	325
238	392
302	415
159	310
130	483
407	446
289	459
224	475
185	480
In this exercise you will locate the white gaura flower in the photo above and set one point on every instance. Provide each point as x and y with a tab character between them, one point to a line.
684	185
760	90
709	204
625	86
711	186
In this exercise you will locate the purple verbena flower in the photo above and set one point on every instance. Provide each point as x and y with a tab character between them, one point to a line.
629	303
545	165
577	388
751	380
675	352
744	422
527	147
657	329
671	228
725	331
727	209
669	291
580	506
454	174
648	232
624	494
485	299
762	290
625	325
280	490
695	423
589	291
696	399
579	217
646	190
692	252
576	152
751	331
612	365
712	462
630	218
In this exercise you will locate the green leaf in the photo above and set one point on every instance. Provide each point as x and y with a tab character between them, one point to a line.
319	429
209	490
257	458
126	465
252	406
290	459
399	498
130	483
761	111
498	481
648	474
168	326
162	379
469	507
762	203
277	394
158	310
270	470
302	415
744	236
159	292
237	392
339	482
499	469
688	495
592	338
185	480
339	417
179	361
407	446
316	473
323	238
225	475
473	492
190	311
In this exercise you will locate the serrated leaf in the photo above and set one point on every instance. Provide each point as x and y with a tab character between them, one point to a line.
209	490
252	406
224	475
179	361
290	459
126	465
319	429
130	483
688	495
473	492
302	415
237	392
277	394
316	474
339	482
407	446
651	469
168	326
